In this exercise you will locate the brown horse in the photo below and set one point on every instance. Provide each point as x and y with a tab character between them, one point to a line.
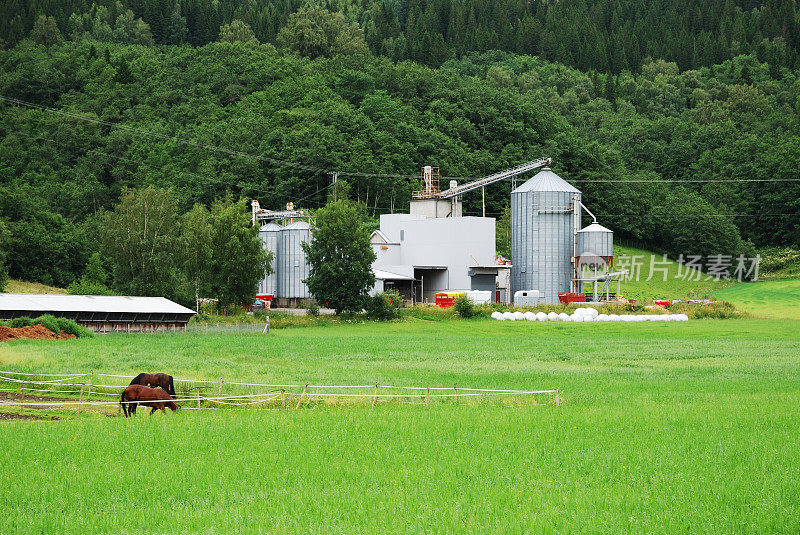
155	379
143	395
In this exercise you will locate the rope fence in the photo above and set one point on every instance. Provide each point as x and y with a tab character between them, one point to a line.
190	397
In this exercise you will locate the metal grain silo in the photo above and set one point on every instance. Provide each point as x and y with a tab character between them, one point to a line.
595	247
292	265
269	235
544	218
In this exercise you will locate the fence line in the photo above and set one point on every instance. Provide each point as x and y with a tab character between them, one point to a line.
421	395
274	385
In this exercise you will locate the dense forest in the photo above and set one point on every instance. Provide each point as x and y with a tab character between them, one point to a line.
697	161
604	35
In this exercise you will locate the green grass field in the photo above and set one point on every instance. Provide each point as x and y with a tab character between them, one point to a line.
23	287
778	299
688	427
667	280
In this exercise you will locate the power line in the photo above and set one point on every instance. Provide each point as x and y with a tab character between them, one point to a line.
267	159
205	178
278	162
320	190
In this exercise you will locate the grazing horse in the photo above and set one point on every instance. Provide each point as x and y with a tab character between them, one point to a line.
155	379
144	395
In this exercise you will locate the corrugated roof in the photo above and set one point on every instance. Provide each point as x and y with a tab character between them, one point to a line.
546	180
270	227
595	227
302	225
90	303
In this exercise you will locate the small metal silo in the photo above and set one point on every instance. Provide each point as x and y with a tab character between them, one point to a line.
595	247
544	217
292	265
269	235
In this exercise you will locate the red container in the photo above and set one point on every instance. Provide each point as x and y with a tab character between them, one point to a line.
663	302
571	297
445	300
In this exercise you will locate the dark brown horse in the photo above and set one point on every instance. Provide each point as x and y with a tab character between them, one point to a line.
144	395
155	379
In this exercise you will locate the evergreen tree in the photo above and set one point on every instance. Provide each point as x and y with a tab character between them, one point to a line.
124	75
45	31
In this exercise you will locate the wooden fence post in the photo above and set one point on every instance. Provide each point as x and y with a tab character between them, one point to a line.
455	387
219	393
300	400
91	381
266	327
558	400
283	398
80	401
198	396
22	397
428	396
375	395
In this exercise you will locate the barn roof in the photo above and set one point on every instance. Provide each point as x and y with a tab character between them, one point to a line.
56	303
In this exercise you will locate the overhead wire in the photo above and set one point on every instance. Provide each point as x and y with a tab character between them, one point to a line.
208	146
279	162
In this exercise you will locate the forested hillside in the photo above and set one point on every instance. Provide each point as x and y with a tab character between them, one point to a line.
604	35
699	161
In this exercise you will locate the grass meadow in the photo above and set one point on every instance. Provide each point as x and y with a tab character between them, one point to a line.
688	427
651	277
778	299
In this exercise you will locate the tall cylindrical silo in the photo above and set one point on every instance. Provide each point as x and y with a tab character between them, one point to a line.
543	223
269	235
596	247
292	265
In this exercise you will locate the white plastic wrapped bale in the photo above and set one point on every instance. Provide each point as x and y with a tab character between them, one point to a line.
541	316
601	317
519	316
552	316
530	316
576	317
497	315
508	316
563	316
613	317
592	312
682	317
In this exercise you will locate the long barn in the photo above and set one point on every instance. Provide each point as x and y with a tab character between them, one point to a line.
101	313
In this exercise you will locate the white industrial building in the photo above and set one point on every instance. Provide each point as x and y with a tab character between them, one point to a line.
419	256
434	248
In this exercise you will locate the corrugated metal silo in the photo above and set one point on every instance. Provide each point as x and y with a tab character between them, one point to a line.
292	265
543	222
269	235
595	247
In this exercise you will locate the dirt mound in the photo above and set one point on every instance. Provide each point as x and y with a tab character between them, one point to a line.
32	332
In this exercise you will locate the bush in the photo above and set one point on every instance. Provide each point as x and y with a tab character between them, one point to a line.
384	306
719	310
464	307
83	287
70	327
18	323
313	308
49	321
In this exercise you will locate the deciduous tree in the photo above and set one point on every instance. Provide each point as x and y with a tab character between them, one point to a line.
340	258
